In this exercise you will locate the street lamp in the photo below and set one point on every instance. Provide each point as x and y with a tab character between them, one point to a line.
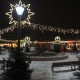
19	10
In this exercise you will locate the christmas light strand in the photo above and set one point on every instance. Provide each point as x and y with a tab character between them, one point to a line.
41	28
53	29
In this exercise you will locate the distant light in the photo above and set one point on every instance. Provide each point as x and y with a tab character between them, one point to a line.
19	10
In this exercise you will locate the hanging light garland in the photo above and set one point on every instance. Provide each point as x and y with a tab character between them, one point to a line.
42	28
53	29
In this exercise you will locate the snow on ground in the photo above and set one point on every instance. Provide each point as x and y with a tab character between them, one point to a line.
42	69
4	54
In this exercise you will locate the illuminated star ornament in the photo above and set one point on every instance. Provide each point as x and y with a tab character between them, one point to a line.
27	38
27	20
57	38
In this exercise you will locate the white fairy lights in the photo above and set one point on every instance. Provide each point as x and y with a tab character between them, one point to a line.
42	28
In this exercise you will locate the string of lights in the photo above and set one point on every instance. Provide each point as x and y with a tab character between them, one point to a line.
41	28
52	29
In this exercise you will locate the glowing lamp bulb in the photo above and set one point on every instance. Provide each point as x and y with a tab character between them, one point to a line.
19	10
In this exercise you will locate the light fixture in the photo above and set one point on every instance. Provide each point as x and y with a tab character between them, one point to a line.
19	10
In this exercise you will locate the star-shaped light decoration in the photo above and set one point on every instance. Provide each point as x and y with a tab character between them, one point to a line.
27	40
57	38
27	20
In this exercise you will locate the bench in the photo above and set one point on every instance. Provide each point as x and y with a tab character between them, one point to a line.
73	64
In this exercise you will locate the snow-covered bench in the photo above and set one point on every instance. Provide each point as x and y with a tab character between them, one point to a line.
73	64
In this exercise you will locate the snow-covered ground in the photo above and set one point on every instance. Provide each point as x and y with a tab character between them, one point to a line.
42	69
4	54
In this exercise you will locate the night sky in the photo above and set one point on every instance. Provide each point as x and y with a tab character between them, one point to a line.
61	13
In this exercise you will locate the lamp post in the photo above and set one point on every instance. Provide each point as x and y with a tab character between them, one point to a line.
19	10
